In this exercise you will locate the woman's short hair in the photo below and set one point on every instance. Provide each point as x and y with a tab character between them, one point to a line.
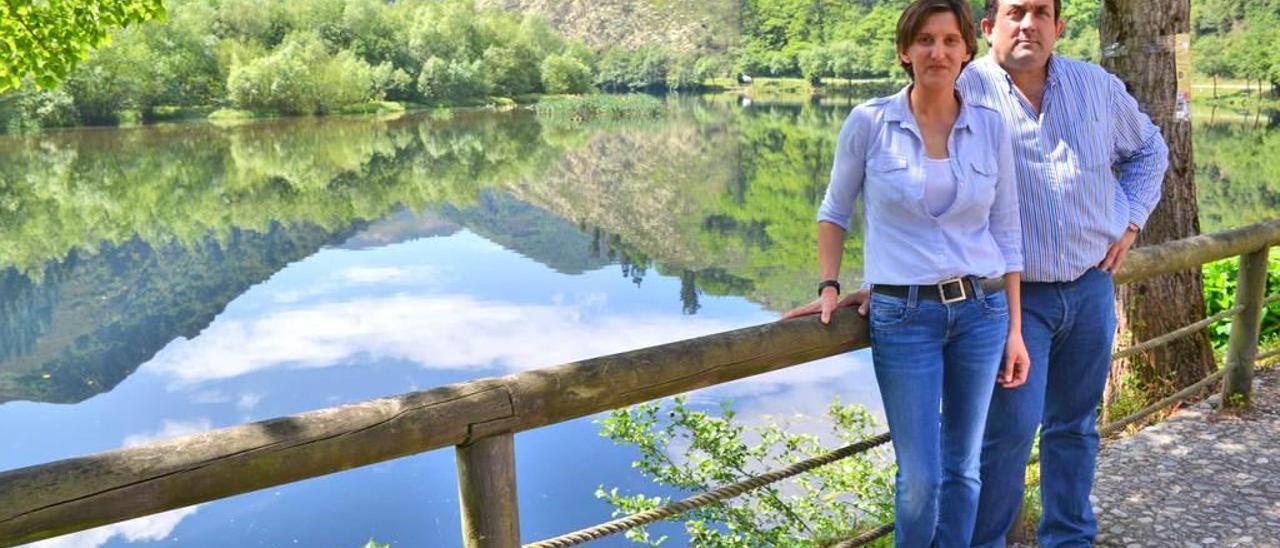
914	16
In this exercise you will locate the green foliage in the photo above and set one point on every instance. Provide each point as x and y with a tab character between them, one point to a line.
442	80
565	74
1236	39
45	40
320	56
301	77
590	106
695	451
633	70
1220	282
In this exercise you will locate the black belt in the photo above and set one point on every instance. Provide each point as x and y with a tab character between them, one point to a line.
947	291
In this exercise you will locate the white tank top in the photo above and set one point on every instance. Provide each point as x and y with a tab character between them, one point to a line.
939	185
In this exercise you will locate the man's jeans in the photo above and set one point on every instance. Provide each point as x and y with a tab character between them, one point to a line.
1068	328
936	365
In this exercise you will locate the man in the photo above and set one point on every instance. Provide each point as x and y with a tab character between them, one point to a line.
1089	168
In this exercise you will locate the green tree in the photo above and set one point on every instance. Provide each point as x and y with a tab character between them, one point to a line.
301	77
1210	59
696	451
565	74
46	40
442	80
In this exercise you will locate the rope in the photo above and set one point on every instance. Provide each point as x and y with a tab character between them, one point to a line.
1268	355
865	537
720	493
1180	395
1176	334
1185	331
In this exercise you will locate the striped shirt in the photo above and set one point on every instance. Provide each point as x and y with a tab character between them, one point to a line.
1087	165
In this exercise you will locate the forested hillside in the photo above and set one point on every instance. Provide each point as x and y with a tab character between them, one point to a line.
1237	39
704	26
324	56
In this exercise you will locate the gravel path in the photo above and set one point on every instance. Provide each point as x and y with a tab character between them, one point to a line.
1197	479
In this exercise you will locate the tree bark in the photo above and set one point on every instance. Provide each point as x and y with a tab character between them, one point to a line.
1144	59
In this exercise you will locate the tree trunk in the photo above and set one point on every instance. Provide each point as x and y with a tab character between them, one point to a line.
1146	63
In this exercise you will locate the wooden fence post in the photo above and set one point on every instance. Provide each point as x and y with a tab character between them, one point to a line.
487	493
1242	347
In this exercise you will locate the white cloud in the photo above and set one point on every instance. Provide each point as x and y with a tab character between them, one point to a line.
170	429
147	528
248	401
436	332
415	275
368	275
209	397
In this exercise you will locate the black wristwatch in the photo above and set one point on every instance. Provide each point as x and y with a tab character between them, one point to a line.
828	283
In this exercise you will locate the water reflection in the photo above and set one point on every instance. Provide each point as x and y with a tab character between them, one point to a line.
1237	154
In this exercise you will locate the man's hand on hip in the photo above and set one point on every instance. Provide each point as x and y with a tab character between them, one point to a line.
1118	251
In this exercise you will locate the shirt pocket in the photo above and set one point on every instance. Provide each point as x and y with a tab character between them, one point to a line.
982	174
888	179
1091	142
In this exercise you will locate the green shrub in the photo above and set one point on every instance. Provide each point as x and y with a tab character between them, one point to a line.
442	80
1220	281
565	74
301	77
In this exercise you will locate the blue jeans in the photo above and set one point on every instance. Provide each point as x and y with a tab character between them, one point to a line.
936	365
1068	328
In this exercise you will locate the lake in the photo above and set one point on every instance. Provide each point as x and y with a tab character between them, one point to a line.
167	280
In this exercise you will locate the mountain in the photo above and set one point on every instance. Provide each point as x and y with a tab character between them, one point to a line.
706	26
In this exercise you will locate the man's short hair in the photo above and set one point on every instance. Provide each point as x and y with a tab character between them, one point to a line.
914	16
994	5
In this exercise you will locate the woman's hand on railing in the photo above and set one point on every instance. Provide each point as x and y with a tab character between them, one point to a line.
826	304
1017	362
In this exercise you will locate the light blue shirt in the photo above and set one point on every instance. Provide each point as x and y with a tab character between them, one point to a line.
1087	165
880	153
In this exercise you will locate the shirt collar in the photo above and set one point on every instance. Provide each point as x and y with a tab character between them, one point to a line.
1052	73
899	110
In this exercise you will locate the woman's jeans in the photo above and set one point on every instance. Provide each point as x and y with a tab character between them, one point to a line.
936	365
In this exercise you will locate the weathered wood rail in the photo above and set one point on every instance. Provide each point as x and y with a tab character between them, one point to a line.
480	417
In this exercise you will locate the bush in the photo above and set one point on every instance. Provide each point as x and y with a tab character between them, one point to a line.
565	74
1220	281
301	77
442	80
695	451
31	109
391	83
643	68
513	70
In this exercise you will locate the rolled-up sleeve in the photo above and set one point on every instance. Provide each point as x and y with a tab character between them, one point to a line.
1005	221
1142	153
847	169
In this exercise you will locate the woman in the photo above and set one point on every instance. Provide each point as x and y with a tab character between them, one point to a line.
943	252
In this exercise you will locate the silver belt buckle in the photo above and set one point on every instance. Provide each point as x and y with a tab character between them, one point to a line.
945	284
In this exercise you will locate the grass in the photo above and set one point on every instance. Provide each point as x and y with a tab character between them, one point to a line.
1232	92
579	107
799	90
375	107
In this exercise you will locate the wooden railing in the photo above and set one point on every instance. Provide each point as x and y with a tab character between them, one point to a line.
479	418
